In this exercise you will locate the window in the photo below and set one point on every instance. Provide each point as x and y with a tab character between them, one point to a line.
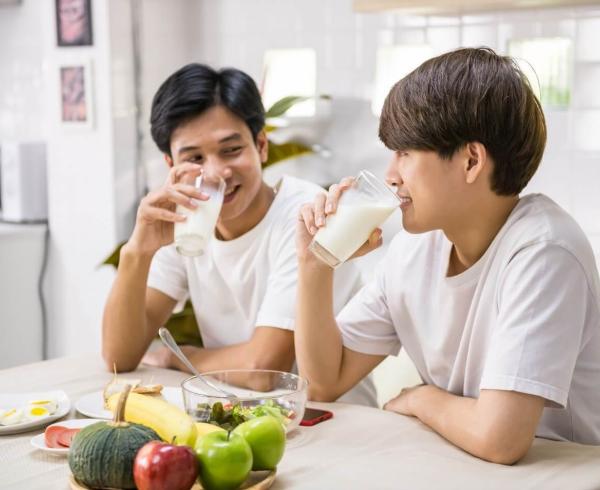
547	64
394	63
290	72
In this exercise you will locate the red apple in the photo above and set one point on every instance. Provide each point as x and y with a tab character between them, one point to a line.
162	466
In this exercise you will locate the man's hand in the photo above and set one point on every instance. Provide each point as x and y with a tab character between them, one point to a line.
403	403
314	215
499	426
160	358
156	215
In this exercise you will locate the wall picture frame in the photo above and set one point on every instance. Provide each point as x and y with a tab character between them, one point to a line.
76	95
73	23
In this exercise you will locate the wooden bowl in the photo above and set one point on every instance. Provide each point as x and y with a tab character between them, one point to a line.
258	480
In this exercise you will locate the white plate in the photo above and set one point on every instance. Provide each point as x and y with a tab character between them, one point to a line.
92	404
20	400
39	441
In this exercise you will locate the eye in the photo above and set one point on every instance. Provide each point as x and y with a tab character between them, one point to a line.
194	159
233	150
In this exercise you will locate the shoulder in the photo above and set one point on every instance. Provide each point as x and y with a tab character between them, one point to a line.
292	193
539	222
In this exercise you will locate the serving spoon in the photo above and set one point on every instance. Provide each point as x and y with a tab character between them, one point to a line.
169	341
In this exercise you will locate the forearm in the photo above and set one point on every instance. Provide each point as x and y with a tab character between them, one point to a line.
486	431
237	356
317	338
125	335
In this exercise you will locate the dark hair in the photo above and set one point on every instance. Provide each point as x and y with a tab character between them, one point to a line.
195	88
469	95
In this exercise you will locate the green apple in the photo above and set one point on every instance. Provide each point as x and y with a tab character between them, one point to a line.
266	437
225	460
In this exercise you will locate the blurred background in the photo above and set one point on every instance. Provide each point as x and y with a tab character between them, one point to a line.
76	83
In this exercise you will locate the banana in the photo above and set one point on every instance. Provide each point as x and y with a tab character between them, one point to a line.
171	423
203	428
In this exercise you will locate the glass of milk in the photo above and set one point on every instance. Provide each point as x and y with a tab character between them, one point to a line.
361	209
192	235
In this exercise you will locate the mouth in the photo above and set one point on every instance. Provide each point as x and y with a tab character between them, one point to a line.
404	201
230	193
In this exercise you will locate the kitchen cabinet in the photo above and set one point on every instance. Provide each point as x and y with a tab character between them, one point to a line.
22	248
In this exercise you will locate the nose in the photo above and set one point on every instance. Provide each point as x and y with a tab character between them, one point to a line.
392	175
215	168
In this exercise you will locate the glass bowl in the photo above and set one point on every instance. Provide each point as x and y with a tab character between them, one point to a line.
257	392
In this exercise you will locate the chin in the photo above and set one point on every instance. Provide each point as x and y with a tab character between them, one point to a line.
414	228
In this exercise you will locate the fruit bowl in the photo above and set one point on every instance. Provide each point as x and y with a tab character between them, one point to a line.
257	392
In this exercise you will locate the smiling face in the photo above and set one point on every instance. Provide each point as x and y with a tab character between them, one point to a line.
435	193
222	144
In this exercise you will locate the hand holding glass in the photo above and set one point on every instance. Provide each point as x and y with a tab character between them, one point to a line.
361	209
193	235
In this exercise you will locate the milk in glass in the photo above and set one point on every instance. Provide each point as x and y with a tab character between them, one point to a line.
193	235
350	227
361	209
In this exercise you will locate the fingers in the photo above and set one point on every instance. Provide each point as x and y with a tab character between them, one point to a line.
307	215
180	198
335	192
375	241
319	210
177	172
151	213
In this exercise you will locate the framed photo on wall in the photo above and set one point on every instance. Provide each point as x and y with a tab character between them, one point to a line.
73	22
76	98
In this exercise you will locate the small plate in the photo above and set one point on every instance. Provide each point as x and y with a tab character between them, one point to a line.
20	400
39	441
92	404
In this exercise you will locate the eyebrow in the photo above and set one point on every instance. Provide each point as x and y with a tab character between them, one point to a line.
231	137
226	139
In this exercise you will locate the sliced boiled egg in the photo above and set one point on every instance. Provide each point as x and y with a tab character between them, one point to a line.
12	417
34	412
49	405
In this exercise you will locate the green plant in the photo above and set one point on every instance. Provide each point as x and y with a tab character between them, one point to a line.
183	325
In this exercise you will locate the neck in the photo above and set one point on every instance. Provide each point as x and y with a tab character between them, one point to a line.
234	228
471	242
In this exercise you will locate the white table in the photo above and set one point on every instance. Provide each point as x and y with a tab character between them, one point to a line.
359	448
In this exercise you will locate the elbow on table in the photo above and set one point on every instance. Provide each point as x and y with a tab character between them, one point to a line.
503	452
114	363
320	394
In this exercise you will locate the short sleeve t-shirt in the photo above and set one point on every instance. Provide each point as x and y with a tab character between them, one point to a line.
239	284
525	317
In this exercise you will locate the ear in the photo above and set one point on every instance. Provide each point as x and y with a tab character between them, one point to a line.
475	161
169	160
262	144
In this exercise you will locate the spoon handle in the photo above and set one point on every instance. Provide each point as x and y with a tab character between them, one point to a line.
169	341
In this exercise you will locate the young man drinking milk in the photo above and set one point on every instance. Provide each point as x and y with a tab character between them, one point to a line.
243	287
495	296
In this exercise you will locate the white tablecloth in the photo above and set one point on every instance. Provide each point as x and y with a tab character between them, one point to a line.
359	448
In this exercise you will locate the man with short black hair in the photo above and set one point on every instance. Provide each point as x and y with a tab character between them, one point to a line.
495	297
243	287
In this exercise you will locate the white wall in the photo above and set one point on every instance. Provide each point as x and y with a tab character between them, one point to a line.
92	174
237	32
21	72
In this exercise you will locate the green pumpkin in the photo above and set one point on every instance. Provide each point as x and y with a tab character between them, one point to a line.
102	454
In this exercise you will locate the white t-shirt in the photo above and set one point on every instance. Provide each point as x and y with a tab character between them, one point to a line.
525	317
239	284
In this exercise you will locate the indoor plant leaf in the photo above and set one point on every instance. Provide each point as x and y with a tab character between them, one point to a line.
280	107
283	151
